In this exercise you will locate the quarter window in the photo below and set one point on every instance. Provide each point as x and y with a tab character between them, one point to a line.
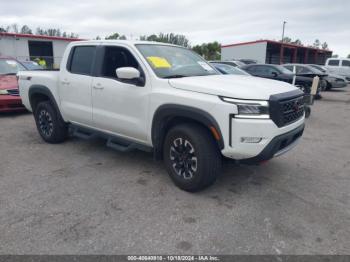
346	63
82	60
333	62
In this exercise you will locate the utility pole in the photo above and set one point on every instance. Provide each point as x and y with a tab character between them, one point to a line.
284	25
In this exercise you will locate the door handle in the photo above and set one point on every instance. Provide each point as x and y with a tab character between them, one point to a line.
98	86
65	82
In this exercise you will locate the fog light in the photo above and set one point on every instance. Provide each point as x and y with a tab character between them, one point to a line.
251	139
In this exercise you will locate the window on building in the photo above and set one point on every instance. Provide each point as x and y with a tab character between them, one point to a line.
82	60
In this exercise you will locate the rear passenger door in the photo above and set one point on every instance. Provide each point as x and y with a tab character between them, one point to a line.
75	85
119	106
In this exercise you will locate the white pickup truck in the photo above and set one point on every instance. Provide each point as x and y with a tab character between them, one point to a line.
165	99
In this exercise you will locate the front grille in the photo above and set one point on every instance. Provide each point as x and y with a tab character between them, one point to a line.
286	108
292	110
13	92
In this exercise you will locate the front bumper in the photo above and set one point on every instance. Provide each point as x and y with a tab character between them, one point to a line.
274	140
338	84
279	145
10	103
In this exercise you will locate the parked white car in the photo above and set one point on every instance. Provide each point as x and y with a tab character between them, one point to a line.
339	66
166	99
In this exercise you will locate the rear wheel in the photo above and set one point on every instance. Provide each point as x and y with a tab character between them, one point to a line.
50	126
191	157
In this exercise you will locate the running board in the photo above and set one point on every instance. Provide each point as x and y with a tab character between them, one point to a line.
84	134
114	142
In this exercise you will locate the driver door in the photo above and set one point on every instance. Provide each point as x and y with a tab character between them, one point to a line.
119	107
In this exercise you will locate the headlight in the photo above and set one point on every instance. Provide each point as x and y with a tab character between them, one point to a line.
249	108
3	92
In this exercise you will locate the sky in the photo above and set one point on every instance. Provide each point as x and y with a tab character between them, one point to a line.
225	21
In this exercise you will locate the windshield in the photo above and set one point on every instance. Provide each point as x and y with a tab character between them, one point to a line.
171	61
285	70
320	68
230	70
10	67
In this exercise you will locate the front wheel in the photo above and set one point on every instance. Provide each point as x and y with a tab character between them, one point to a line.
50	126
191	157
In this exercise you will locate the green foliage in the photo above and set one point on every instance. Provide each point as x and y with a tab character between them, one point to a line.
348	55
112	36
287	39
335	56
209	51
25	29
324	46
170	38
115	36
317	43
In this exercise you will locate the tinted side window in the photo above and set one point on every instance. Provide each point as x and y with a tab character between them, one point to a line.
251	69
82	60
271	70
289	67
303	70
346	63
116	57
333	62
262	70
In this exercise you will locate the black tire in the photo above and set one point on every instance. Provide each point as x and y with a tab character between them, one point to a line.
191	157
328	86
50	125
307	111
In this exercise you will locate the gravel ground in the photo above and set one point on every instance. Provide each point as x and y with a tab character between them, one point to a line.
81	197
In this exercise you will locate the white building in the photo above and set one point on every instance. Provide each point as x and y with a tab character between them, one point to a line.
25	47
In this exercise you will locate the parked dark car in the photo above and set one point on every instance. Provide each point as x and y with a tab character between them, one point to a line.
229	69
333	80
230	62
279	73
308	71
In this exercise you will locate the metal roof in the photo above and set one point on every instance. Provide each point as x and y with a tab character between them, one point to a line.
46	37
275	42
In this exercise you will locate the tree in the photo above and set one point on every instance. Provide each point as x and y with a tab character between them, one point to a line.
209	51
325	46
335	56
97	38
112	36
348	55
26	30
317	43
287	39
297	42
170	38
122	37
2	30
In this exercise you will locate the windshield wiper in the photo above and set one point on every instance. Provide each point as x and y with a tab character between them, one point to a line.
174	76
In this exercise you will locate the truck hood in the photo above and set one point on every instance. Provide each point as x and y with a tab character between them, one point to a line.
235	86
8	82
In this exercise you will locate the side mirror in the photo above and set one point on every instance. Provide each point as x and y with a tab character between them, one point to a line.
274	74
127	73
